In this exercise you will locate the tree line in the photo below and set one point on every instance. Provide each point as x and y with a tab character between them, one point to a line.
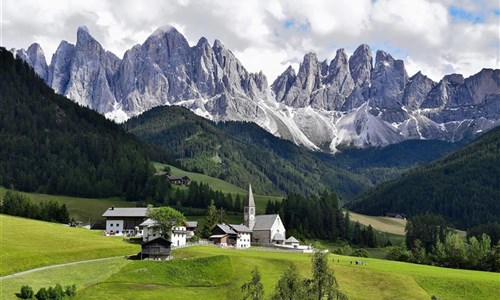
313	217
429	241
17	204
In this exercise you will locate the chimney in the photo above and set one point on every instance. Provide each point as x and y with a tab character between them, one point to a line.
112	208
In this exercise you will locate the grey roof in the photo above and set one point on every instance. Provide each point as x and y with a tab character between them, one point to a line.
191	223
278	237
216	236
148	223
250	201
226	229
125	212
291	240
264	222
240	228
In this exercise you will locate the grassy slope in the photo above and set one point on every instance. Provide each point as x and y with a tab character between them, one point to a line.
384	224
82	209
221	276
27	244
225	187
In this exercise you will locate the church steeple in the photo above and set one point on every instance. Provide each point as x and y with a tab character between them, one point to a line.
249	213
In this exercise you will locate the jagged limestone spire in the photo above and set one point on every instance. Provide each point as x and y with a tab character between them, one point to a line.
249	213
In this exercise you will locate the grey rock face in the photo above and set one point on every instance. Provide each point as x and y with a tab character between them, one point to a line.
348	101
360	65
36	59
416	90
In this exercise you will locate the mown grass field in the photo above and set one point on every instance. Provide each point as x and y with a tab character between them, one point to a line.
27	244
208	272
385	224
81	209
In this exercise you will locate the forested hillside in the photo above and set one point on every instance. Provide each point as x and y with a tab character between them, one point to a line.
463	187
241	153
51	145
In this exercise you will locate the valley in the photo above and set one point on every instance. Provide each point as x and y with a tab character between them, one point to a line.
217	273
159	162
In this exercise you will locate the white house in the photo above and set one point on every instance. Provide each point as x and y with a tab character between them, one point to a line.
237	236
151	230
124	220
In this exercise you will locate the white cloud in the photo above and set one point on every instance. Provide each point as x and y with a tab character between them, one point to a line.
422	32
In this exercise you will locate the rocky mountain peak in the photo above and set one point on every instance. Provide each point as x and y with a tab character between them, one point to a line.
454	79
360	65
347	101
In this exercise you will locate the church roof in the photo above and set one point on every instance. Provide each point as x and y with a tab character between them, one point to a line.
264	222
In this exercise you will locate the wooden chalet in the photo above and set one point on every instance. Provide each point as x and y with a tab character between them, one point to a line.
158	248
179	180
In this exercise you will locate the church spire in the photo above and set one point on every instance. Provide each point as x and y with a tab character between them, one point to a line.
250	201
249	213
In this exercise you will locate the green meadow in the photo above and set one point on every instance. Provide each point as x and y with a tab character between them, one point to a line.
208	272
27	244
87	210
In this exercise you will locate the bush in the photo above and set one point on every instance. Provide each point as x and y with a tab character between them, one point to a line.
55	293
26	292
360	253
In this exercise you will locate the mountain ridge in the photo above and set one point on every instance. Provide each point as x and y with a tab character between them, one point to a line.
352	101
463	186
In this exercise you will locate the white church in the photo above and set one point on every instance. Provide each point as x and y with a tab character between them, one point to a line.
266	229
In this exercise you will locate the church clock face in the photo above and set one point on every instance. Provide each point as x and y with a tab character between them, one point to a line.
251	217
246	217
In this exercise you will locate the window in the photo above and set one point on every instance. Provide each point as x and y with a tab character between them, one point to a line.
111	225
117	224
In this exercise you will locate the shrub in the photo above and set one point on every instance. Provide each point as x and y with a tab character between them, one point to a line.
360	253
26	292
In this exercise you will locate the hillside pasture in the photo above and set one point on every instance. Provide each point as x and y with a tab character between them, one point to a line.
86	210
27	244
221	185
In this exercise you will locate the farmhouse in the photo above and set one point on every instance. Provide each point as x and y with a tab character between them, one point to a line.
158	248
228	235
151	230
180	180
396	215
266	229
124	220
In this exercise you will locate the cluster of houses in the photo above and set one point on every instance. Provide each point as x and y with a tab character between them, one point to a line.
265	230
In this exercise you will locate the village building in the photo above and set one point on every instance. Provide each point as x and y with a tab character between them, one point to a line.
191	227
396	215
292	241
151	230
179	180
124	220
158	248
228	235
266	229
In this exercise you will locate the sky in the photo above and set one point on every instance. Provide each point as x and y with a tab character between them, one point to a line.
437	37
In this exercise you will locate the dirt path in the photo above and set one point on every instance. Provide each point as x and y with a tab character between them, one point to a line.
57	266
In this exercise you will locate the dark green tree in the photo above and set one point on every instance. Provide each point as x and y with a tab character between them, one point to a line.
212	218
253	290
290	286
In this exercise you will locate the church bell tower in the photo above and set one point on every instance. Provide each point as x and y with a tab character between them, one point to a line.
249	213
